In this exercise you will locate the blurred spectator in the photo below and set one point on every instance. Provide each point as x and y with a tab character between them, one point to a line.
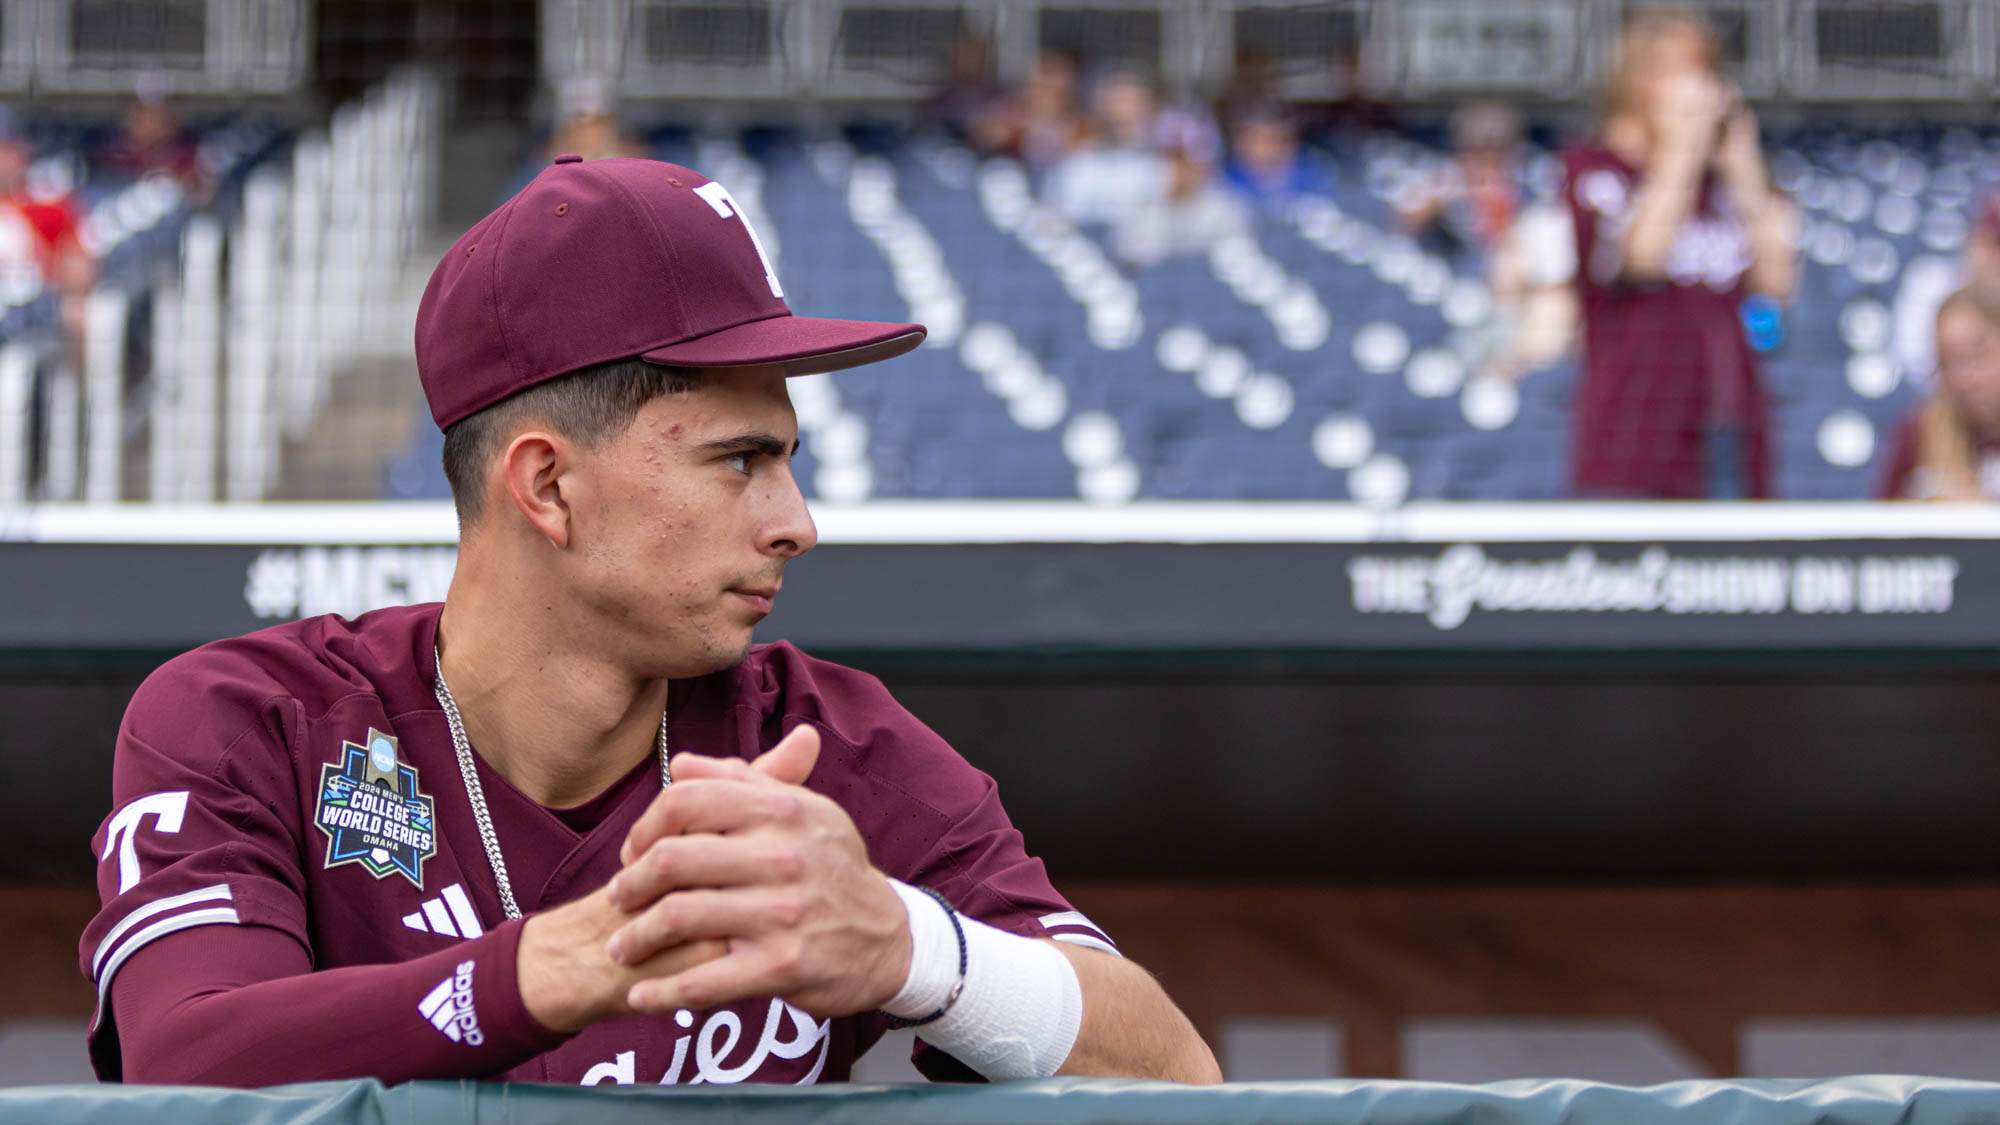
1928	280
1266	164
1466	207
151	142
1253	82
1195	212
1949	448
1121	166
588	124
1356	107
38	231
970	97
1039	124
1676	223
1532	275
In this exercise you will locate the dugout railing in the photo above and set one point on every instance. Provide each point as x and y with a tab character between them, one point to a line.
1845	1101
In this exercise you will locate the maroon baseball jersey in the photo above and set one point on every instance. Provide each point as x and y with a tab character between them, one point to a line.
1903	477
294	886
1663	362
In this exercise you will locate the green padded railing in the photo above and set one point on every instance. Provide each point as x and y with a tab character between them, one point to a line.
1872	1100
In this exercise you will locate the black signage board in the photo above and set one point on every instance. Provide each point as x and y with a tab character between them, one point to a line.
1910	594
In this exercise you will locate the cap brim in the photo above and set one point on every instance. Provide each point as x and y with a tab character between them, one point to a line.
803	345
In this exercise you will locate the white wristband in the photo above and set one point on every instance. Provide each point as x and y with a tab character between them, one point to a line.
933	956
1022	1005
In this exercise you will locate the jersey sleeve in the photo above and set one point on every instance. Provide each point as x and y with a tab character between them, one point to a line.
203	824
930	818
205	832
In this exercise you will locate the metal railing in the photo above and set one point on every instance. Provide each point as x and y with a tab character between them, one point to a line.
201	47
707	50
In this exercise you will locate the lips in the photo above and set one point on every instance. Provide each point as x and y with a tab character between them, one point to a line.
760	598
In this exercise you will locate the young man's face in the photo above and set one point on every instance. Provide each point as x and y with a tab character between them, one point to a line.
684	524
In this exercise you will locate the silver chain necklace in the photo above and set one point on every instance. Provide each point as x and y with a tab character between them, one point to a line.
476	794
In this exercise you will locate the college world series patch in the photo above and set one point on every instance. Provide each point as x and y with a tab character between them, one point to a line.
372	812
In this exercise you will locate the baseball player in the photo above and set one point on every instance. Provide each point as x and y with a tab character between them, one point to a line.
571	825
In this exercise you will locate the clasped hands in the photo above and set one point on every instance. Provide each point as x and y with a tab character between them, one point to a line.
738	883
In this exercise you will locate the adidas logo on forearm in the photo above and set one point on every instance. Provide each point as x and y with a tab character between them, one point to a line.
449	1008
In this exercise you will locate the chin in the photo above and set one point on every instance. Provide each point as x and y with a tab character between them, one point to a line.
736	654
715	654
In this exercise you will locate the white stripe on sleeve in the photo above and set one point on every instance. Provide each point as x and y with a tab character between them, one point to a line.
217	893
1062	919
210	917
1087	940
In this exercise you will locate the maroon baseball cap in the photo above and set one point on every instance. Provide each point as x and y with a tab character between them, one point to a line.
615	259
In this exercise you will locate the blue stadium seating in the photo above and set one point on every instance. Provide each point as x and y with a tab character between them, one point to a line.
935	429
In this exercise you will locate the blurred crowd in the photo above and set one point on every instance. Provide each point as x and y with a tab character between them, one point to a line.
1158	180
1636	272
1631	262
48	256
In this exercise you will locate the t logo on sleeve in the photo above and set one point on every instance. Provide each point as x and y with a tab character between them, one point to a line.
167	811
373	813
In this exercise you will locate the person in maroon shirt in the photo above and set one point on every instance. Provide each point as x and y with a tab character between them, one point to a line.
1676	223
449	841
1949	447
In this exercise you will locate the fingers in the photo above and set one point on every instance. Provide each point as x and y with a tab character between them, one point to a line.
792	759
709	805
704	860
688	766
694	915
747	971
680	958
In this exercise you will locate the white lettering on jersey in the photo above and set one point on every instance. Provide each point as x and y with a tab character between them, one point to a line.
719	199
1711	251
167	811
618	1071
1708	249
717	1038
449	1008
1602	191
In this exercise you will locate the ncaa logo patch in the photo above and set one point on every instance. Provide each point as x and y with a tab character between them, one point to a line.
373	813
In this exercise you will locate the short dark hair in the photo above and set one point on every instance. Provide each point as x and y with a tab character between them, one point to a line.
588	406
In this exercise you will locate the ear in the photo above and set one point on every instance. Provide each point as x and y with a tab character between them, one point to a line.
531	472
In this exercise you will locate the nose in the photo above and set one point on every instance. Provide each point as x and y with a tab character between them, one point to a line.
788	532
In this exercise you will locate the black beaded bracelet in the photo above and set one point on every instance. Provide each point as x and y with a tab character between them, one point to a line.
957	930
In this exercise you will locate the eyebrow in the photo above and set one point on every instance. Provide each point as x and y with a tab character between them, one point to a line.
759	442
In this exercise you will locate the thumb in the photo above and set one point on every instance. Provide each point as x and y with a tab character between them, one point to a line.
688	765
791	760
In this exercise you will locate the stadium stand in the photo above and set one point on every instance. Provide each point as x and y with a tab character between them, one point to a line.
216	326
1322	358
1325	355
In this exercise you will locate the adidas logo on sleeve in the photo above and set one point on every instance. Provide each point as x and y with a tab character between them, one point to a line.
450	914
449	1008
